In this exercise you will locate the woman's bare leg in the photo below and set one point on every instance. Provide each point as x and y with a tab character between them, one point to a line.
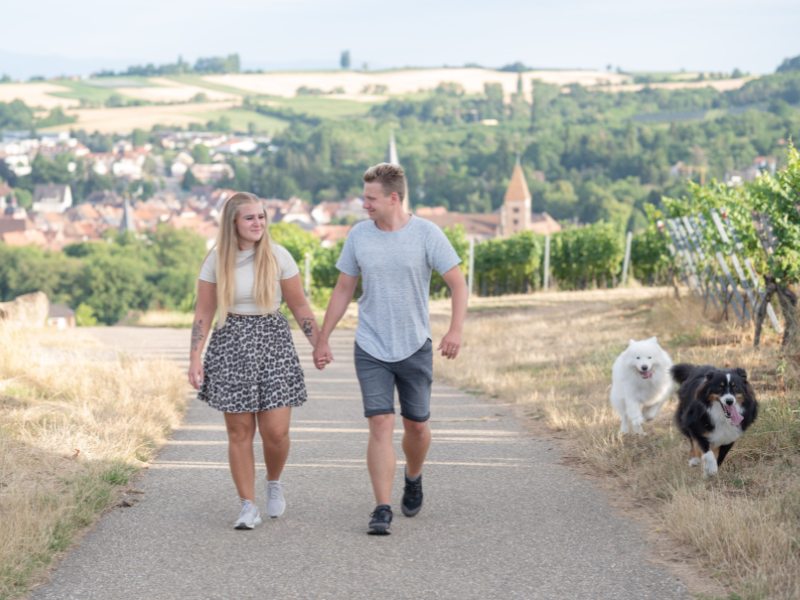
273	425
241	431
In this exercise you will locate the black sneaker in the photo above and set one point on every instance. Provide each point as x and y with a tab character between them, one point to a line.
412	496
381	520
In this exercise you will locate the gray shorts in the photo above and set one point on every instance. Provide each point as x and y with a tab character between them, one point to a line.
413	377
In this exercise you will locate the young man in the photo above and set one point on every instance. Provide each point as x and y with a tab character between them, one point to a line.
394	253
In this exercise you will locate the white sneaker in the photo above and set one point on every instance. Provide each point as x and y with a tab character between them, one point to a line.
275	502
249	517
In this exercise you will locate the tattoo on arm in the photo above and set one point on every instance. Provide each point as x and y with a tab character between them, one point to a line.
197	335
307	325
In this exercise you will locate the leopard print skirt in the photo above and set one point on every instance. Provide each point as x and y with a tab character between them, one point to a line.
251	365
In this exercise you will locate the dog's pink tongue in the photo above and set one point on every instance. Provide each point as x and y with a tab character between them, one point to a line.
736	418
647	374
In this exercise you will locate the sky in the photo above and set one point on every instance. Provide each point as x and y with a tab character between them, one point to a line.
75	38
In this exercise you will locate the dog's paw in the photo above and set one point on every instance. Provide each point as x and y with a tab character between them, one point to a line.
693	462
651	413
636	425
709	465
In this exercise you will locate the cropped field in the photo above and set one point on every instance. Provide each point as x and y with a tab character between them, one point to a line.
403	81
241	118
172	91
37	94
85	94
721	85
330	107
552	355
128	118
78	423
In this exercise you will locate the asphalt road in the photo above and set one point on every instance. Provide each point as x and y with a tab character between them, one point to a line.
502	518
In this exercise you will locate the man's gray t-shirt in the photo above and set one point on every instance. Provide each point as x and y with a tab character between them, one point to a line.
395	267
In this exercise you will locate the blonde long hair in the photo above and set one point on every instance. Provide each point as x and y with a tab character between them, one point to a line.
265	267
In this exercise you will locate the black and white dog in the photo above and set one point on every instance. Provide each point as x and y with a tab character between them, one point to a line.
715	407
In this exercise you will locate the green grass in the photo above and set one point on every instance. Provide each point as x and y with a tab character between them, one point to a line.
198	81
86	93
124	81
325	108
240	119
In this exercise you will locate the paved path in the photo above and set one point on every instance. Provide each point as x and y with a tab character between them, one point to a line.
502	518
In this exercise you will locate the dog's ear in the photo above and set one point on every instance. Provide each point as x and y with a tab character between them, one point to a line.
631	342
709	375
741	373
653	339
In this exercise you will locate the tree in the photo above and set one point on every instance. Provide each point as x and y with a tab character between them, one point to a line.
45	170
543	95
218	64
139	137
344	61
190	181
115	100
789	64
494	100
24	197
201	154
15	115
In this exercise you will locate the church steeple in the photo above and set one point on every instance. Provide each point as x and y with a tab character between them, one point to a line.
127	223
391	151
516	213
391	158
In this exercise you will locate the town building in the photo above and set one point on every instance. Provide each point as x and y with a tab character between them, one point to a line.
60	316
51	198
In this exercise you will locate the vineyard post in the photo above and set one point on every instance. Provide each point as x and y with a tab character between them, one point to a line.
308	274
735	261
753	277
700	221
546	276
626	263
471	279
719	290
685	253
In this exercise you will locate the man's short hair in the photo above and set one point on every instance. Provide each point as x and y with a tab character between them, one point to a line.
391	177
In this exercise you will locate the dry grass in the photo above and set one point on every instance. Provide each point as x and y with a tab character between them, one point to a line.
36	94
125	119
403	81
172	91
162	318
554	357
77	423
721	85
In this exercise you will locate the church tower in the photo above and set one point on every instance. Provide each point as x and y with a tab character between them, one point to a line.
516	213
391	158
126	222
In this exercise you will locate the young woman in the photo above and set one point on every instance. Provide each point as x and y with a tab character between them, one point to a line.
251	371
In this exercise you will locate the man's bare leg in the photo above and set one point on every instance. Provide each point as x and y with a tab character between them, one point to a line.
416	442
381	460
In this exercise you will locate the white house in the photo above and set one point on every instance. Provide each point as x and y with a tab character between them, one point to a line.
51	198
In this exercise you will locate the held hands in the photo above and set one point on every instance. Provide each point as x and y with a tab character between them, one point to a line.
450	345
322	354
196	374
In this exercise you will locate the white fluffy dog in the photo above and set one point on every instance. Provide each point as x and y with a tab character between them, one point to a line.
640	383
